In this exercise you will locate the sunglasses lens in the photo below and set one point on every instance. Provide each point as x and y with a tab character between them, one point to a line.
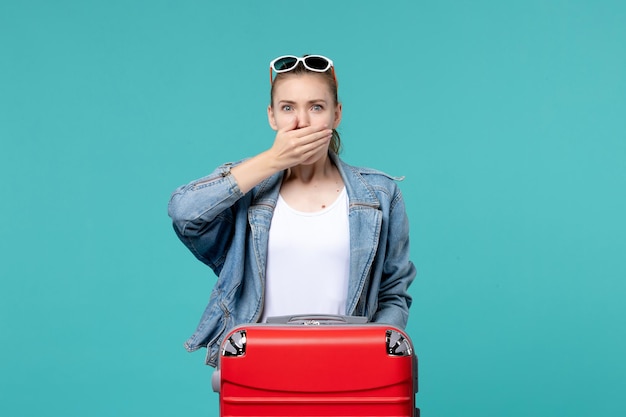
317	63
285	63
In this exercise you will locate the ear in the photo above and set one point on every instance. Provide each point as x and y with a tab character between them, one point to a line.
337	116
270	117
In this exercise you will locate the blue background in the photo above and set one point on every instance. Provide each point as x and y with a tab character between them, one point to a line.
506	117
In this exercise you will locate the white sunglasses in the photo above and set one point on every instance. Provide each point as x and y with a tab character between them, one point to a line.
316	63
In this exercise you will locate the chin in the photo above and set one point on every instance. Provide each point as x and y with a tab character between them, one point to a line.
314	159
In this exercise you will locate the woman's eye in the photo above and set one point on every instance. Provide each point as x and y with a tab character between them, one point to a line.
317	107
286	107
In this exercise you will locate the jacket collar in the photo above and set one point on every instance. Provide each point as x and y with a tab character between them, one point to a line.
359	192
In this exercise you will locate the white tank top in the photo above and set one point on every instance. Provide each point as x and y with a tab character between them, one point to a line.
308	260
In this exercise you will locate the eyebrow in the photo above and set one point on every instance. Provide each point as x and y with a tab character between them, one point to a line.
319	100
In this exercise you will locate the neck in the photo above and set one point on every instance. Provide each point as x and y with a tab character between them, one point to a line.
319	170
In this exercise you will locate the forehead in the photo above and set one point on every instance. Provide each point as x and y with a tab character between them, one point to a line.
296	87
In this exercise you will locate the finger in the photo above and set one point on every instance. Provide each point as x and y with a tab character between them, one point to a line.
308	130
317	135
290	126
313	143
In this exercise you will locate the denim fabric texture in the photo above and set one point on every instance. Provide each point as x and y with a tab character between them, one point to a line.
228	231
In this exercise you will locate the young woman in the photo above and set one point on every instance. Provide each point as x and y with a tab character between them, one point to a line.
294	229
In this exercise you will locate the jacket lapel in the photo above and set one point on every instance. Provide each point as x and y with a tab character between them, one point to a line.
365	219
260	215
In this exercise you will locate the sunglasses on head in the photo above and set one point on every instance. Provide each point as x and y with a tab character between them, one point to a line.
285	63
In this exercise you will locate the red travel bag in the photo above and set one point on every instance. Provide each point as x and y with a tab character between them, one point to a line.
317	366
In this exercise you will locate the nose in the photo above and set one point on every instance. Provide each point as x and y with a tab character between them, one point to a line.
303	119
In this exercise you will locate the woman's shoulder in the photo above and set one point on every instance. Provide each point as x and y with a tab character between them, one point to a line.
371	174
371	186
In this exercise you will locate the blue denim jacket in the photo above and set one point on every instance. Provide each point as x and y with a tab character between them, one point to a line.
229	231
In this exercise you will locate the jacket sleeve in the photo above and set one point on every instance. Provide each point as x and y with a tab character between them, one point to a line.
394	300
202	215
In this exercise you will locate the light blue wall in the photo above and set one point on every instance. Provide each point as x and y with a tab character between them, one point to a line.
508	119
